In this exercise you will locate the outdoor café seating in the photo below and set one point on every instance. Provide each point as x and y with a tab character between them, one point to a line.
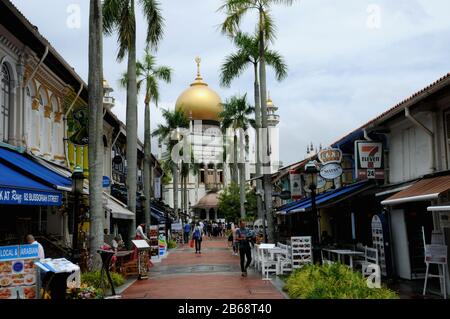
282	258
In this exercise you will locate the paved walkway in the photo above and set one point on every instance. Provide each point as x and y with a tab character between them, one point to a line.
215	274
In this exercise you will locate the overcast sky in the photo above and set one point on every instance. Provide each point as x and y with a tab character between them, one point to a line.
348	60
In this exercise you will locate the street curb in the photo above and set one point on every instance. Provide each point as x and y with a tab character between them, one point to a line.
279	284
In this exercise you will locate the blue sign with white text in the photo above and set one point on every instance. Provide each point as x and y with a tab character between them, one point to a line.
106	181
12	196
19	252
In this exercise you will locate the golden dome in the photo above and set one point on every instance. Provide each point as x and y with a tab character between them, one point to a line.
200	102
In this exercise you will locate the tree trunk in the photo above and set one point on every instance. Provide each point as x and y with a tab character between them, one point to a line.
242	175
259	202
186	192
235	159
265	141
175	188
147	163
182	187
95	150
131	122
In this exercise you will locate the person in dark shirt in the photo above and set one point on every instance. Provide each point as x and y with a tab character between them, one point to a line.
244	238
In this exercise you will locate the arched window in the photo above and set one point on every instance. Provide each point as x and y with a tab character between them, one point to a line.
5	102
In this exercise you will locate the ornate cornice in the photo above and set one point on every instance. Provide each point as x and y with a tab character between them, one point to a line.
35	104
58	116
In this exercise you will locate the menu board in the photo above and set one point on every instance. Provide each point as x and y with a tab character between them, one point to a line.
154	246
18	273
162	240
59	265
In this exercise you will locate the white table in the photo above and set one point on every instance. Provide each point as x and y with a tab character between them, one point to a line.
341	253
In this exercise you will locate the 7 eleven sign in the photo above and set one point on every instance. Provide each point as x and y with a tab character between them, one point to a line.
369	160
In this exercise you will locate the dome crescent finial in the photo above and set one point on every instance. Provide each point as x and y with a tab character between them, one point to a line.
198	60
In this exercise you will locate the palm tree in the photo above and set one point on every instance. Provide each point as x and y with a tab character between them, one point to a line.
95	131
148	73
119	17
236	116
235	64
235	11
174	120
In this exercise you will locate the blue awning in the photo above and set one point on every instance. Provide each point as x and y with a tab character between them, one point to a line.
323	198
26	166
19	189
157	214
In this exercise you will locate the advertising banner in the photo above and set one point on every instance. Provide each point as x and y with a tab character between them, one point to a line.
369	160
295	184
18	275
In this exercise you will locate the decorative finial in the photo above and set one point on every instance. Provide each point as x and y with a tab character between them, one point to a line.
198	60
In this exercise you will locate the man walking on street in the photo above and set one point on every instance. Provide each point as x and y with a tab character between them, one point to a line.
187	231
244	236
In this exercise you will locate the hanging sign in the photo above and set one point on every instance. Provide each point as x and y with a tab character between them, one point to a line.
157	187
80	135
296	184
369	160
330	171
330	155
321	182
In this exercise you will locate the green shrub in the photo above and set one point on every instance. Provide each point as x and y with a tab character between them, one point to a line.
172	244
334	281
93	279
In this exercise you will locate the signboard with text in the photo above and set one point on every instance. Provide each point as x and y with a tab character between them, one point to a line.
369	160
295	184
18	275
16	196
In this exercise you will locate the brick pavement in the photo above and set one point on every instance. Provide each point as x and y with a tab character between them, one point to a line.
215	274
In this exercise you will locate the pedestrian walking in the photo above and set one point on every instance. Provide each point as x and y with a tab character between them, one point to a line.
244	237
235	242
187	232
197	237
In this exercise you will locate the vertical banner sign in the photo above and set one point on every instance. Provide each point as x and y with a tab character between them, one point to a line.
296	184
157	187
369	160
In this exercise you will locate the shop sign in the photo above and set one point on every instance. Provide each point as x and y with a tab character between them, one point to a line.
330	171
436	254
11	196
157	187
19	252
106	181
369	160
321	182
330	155
295	184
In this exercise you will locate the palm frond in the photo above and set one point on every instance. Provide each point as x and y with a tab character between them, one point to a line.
276	61
235	64
155	20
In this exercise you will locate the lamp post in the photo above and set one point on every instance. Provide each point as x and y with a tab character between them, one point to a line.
311	175
77	190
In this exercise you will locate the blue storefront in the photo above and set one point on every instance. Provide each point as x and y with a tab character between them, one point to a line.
29	193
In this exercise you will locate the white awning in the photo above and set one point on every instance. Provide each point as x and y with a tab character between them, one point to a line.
117	209
438	209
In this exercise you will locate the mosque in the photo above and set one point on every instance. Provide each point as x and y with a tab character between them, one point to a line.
202	106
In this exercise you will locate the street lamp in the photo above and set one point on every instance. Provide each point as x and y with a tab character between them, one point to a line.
77	190
311	179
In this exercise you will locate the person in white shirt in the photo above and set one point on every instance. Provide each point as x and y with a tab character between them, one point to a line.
140	232
32	241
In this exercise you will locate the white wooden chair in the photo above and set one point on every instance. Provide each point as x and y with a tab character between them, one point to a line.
370	257
325	260
267	264
284	259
